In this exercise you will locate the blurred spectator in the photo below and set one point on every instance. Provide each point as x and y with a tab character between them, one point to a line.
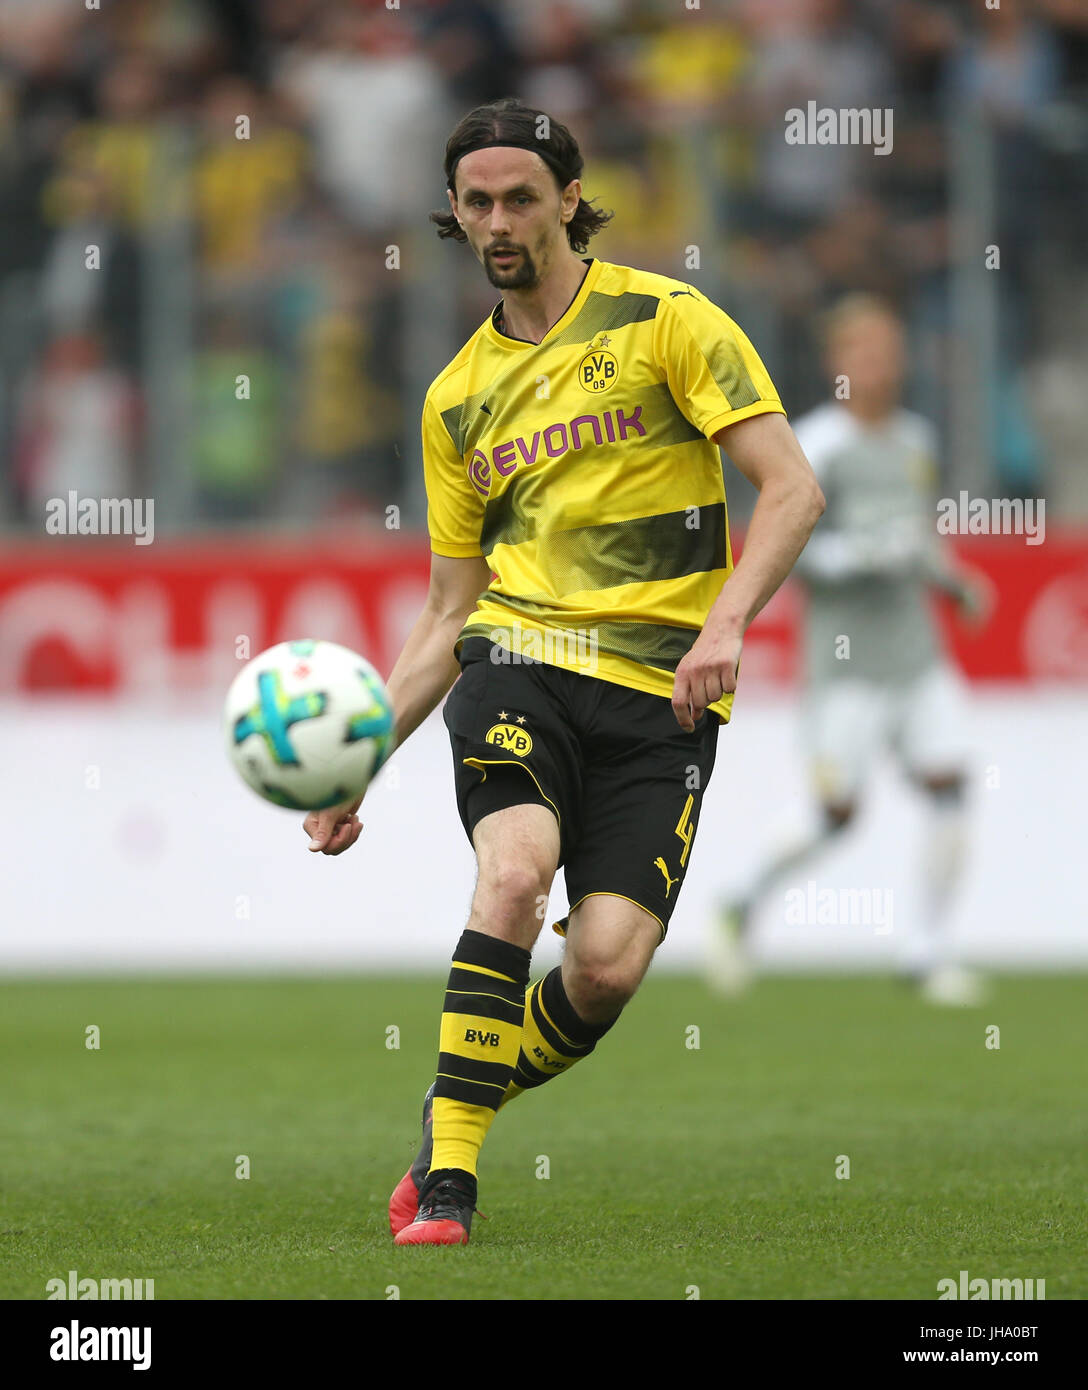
688	71
1068	124
235	455
119	144
368	96
347	421
1006	72
468	44
77	427
244	174
817	55
78	292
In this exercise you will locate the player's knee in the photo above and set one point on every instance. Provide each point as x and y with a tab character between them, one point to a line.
838	815
513	887
603	988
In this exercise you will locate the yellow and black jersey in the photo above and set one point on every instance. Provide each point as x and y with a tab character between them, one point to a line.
583	467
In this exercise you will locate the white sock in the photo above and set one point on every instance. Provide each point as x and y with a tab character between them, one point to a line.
944	851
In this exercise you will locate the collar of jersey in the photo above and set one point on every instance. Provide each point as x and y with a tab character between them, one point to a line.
501	340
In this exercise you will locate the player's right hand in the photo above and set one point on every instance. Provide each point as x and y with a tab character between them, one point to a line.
334	830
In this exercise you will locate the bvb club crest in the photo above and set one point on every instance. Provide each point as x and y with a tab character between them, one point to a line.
598	371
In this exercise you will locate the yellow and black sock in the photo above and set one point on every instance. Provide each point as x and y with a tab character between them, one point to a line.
481	1032
553	1036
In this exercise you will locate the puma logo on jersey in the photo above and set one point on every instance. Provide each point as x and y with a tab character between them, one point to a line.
674	293
660	863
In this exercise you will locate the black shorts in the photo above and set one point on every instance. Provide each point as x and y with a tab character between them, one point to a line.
624	780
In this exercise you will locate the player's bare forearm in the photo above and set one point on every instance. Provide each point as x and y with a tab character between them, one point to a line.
424	672
782	522
790	504
427	667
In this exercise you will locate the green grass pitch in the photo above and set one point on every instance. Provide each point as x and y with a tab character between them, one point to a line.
669	1166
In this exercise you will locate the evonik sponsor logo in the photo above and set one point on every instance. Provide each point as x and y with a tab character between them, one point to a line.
555	440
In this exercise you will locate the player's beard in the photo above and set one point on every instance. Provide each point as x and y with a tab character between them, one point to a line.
522	275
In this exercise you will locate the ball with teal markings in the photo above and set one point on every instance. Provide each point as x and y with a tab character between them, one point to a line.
308	724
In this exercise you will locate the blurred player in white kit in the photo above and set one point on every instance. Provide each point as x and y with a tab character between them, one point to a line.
868	572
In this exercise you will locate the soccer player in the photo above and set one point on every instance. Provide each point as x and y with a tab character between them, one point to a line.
876	674
583	597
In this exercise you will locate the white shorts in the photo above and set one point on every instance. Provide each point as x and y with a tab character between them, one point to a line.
848	723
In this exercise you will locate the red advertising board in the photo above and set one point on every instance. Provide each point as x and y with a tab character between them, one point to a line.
101	616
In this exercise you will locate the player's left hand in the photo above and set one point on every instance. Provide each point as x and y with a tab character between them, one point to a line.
335	829
708	672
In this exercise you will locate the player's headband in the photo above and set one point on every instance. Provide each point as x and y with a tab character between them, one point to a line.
532	145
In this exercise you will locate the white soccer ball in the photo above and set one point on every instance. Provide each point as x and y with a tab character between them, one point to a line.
308	724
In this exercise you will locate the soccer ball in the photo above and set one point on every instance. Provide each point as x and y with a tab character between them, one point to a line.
308	724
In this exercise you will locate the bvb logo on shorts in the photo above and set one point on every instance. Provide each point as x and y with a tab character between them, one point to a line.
597	371
510	738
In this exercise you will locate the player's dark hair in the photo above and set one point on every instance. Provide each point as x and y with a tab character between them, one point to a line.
508	120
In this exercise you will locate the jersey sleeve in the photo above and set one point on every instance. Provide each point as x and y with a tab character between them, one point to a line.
713	372
455	510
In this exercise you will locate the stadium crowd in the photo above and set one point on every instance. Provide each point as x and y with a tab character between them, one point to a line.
294	141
